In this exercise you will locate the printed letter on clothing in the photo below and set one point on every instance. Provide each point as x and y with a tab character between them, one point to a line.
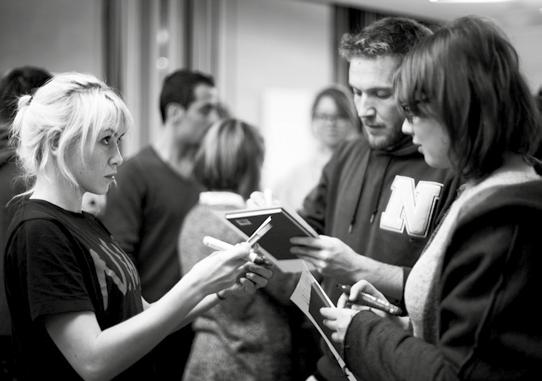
410	206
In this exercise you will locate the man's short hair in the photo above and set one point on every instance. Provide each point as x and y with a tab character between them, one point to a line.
390	36
18	82
178	87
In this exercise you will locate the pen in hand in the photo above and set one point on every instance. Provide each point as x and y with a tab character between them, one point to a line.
217	244
365	299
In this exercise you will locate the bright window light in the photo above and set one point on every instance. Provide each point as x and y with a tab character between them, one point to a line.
470	1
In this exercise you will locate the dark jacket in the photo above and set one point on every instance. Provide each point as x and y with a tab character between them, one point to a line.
489	284
383	204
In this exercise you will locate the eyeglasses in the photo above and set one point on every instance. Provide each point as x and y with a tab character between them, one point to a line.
328	117
410	111
407	112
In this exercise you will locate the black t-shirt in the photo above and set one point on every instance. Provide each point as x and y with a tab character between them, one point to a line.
57	262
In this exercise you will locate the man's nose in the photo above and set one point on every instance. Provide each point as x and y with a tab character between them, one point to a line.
365	107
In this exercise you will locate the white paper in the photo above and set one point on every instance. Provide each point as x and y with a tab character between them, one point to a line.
301	297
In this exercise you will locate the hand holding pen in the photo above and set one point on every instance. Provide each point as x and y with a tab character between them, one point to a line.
217	244
365	299
254	268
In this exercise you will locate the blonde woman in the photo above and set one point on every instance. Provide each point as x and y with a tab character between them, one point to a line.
74	295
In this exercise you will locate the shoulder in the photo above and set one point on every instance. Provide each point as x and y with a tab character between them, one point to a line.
512	202
40	218
350	152
355	146
133	175
145	157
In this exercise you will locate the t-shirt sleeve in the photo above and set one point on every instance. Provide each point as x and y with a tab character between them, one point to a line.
53	275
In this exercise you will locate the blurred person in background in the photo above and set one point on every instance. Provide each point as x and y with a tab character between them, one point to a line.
17	82
333	120
245	337
154	192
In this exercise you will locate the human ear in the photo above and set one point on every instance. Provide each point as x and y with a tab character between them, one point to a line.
52	142
174	112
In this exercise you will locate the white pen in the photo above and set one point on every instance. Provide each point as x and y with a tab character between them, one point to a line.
217	244
365	299
259	232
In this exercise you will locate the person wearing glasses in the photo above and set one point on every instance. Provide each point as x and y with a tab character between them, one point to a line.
470	295
377	201
333	121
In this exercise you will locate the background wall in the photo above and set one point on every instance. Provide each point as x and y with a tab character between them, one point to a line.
59	35
268	56
274	55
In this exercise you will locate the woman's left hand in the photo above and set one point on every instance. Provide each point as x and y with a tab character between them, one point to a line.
255	276
338	320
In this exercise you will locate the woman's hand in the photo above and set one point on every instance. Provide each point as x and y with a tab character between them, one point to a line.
221	269
256	276
359	287
338	320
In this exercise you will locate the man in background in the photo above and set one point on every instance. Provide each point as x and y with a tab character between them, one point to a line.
154	192
19	81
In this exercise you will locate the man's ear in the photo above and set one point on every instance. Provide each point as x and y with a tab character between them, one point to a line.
174	112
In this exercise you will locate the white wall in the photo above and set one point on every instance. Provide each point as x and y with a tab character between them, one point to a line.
59	35
273	47
528	42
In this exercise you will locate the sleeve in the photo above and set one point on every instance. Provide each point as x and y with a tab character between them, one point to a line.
52	274
123	214
377	349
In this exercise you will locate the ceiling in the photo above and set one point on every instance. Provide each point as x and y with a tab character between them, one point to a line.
514	12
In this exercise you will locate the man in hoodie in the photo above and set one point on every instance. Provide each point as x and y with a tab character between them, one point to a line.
19	81
377	200
155	190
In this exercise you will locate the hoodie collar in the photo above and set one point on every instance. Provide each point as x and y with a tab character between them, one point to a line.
403	148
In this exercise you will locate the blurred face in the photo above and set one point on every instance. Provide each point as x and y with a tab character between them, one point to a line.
329	127
431	138
371	80
199	116
96	171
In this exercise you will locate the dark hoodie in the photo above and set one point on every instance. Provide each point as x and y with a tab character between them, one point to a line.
9	187
488	291
353	202
383	204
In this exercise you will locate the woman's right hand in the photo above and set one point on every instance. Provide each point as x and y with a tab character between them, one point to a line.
221	269
356	289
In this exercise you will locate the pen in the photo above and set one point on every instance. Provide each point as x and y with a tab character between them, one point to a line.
259	232
365	299
217	244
